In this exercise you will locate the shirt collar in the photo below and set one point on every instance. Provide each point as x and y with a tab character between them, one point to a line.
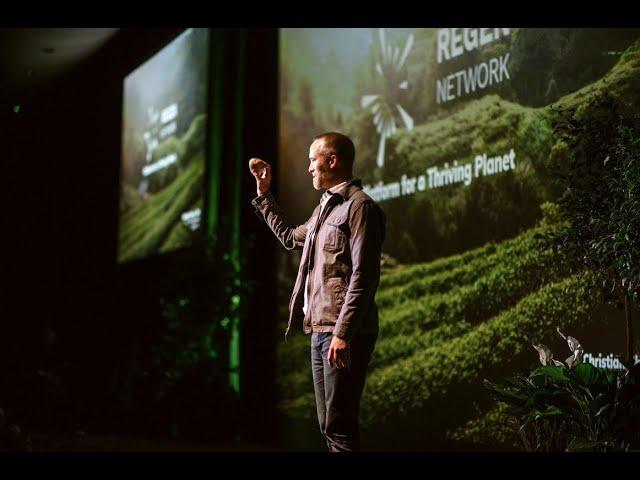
332	191
335	188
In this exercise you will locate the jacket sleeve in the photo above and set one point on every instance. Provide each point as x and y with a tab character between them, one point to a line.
268	209
367	224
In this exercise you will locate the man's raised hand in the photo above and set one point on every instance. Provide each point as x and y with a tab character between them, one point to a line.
262	171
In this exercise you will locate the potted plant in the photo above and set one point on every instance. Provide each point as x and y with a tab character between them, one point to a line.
571	405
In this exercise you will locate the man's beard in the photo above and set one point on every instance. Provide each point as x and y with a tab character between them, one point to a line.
318	180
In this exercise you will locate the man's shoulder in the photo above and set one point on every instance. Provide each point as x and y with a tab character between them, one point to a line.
358	197
361	202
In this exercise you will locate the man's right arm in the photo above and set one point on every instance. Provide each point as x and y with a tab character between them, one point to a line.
268	209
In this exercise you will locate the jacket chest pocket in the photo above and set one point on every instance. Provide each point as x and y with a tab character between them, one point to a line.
336	232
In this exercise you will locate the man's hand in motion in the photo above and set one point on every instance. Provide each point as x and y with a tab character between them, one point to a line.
262	171
338	353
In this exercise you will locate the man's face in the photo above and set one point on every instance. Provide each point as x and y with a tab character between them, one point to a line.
319	166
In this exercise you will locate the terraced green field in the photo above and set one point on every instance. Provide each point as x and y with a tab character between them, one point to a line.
492	307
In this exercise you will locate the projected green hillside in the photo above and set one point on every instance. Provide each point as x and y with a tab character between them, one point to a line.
451	327
447	323
448	220
154	225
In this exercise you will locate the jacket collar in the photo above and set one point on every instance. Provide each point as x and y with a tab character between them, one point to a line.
346	190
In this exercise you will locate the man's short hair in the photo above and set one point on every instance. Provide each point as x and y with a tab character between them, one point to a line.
339	145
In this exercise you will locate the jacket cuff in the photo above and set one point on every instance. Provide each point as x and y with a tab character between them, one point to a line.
262	199
341	331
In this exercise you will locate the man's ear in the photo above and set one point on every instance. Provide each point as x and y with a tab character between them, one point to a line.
333	161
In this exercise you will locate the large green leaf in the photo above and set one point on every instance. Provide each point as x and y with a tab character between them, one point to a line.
551	371
540	380
589	375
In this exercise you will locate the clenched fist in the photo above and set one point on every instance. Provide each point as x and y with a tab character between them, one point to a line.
262	171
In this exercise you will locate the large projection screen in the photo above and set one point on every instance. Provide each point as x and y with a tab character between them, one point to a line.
453	135
164	118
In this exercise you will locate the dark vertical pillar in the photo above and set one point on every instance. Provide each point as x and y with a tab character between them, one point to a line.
260	139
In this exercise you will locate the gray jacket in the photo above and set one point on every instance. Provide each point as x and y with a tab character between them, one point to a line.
342	259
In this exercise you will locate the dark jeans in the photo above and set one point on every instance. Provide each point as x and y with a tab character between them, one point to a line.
338	390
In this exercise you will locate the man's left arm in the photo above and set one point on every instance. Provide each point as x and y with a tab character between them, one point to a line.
367	235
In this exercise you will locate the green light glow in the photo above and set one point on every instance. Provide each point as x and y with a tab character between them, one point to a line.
235	301
234	347
219	42
16	109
